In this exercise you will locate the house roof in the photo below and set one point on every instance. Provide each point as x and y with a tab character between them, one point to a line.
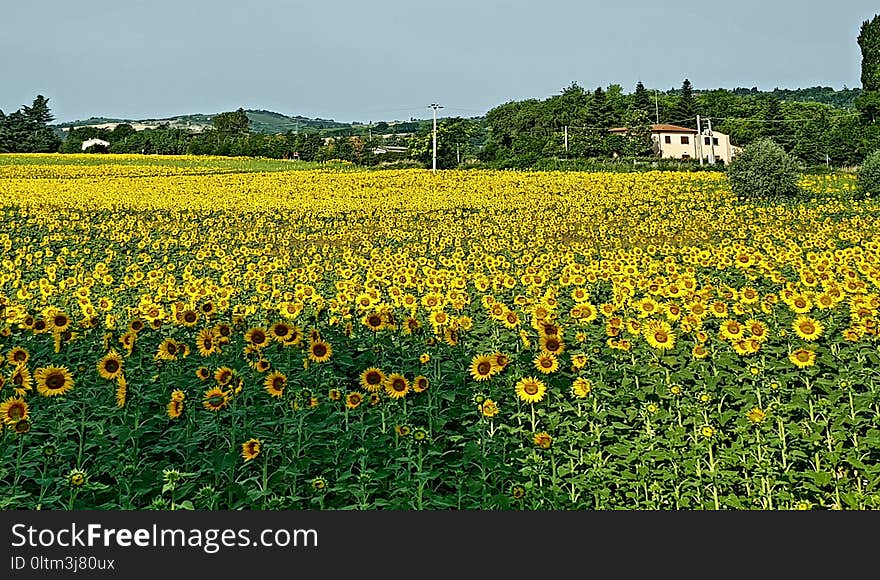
661	128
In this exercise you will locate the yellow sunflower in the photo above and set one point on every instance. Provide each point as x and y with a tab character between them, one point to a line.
530	390
250	449
275	383
803	358
372	379
110	366
320	351
353	400
257	337
168	350
13	410
420	384
21	380
53	381
206	342
546	363
18	356
581	388
215	399
481	367
489	408
807	328
396	386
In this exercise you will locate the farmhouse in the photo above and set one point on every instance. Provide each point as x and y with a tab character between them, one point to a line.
675	142
98	145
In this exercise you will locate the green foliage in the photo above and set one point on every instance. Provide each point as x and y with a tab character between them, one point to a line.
27	130
764	171
869	43
232	123
868	183
686	110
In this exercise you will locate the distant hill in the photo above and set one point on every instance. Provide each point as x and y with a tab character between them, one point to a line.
262	121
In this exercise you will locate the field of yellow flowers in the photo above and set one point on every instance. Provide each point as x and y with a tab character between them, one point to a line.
183	333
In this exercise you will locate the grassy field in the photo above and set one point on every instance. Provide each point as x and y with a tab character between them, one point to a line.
183	333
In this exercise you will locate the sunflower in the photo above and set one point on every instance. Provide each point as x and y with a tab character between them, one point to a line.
18	356
320	351
372	379
488	408
215	399
136	325
581	388
206	342
420	384
334	394
543	440
208	309
13	410
189	318
256	337
58	322
707	431
803	358
402	430
168	350
121	391
110	366
481	367
21	380
223	376
53	381
807	328
353	400
375	399
700	351
396	386
499	361
22	427
77	477
756	415
552	344
530	390
40	325
250	449
517	492
374	321
420	435
424	358
731	330
546	363
280	332
660	336
275	383
178	395
203	373
319	483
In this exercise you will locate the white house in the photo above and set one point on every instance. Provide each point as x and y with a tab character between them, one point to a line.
98	144
675	142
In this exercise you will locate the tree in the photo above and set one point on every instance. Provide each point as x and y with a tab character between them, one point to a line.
27	130
868	103
641	99
868	181
764	171
686	110
232	124
601	111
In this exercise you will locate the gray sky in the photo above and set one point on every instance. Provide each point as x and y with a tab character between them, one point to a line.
389	59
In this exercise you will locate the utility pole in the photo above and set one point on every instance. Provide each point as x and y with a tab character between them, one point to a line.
435	106
700	139
566	140
712	150
656	107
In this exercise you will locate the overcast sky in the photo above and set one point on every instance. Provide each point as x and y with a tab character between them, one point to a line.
390	59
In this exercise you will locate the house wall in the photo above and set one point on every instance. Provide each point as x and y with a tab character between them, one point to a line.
675	149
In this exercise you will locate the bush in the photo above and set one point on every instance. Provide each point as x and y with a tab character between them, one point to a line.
868	181
764	171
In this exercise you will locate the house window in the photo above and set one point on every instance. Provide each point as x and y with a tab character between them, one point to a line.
668	139
714	140
685	140
706	140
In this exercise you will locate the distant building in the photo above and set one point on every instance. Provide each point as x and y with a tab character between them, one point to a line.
675	142
97	145
389	149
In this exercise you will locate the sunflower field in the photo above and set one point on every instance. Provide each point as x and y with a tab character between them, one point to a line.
182	333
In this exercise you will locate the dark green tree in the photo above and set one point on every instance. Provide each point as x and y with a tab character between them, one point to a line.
641	99
232	124
868	103
686	109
